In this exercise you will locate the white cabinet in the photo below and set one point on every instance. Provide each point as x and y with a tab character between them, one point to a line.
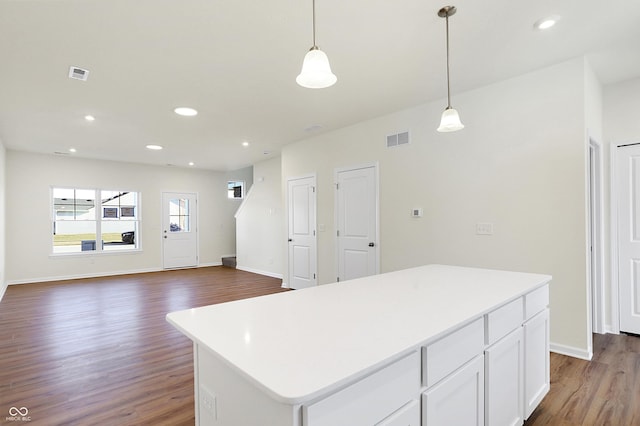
536	360
504	387
458	399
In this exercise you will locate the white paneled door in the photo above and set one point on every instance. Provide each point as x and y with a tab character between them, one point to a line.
180	230
301	196
357	222
628	162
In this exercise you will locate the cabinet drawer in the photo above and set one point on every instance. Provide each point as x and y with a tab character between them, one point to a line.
371	399
409	415
536	301
444	356
504	320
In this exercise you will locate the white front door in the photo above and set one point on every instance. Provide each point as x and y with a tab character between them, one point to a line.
357	222
179	230
301	196
628	187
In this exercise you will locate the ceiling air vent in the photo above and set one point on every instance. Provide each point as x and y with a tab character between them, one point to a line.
397	139
78	73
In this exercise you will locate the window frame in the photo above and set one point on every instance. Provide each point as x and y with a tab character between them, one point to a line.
99	219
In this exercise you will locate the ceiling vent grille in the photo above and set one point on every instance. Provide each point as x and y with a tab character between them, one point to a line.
397	139
78	73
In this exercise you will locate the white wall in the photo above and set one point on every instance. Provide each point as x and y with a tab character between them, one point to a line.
28	239
231	206
519	164
3	263
259	222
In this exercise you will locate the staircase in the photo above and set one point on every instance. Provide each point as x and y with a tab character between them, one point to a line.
229	261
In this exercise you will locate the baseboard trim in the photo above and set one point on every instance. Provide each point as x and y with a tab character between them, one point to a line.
102	274
571	351
258	271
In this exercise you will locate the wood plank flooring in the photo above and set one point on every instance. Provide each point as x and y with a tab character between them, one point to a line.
603	391
99	352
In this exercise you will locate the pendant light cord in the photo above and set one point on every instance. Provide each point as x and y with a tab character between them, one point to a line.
314	23
448	85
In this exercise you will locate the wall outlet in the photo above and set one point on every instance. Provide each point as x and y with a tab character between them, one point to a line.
208	402
484	228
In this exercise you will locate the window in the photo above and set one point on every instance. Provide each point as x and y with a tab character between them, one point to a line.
81	217
235	189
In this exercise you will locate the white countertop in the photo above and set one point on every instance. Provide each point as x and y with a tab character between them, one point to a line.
297	345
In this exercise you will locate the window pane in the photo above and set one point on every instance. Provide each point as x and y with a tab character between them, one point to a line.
179	215
120	235
74	237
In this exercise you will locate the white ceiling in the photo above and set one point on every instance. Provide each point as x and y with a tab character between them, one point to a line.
236	62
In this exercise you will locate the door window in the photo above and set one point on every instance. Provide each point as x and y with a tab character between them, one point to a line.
179	217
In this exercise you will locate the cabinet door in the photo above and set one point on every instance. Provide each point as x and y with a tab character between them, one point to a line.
536	361
458	399
504	385
409	415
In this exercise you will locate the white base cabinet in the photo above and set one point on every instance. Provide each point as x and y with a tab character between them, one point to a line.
432	346
536	359
504	384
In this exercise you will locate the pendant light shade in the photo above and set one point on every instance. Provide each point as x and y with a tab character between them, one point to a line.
450	121
316	71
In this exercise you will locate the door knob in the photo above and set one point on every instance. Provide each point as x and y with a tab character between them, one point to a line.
290	240
372	244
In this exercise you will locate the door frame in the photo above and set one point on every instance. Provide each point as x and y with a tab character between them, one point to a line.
197	227
596	226
376	176
315	225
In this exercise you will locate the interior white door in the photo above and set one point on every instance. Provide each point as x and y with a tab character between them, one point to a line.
629	237
180	230
302	232
357	222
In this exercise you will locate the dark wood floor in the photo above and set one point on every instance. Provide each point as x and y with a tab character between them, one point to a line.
99	352
603	391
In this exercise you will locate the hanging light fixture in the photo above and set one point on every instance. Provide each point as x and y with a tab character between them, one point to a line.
316	71
450	121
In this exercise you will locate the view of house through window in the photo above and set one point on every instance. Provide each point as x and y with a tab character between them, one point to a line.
235	189
91	220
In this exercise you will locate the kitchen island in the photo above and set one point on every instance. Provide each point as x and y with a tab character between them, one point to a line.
432	345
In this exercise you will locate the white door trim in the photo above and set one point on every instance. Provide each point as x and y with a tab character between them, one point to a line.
613	231
596	225
376	174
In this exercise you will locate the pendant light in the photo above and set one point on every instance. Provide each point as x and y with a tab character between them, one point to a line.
316	71
450	121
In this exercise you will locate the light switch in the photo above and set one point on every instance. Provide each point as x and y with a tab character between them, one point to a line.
417	212
484	228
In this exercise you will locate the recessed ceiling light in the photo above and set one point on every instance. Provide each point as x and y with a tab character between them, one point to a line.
89	118
72	150
546	23
191	163
154	147
245	143
186	111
